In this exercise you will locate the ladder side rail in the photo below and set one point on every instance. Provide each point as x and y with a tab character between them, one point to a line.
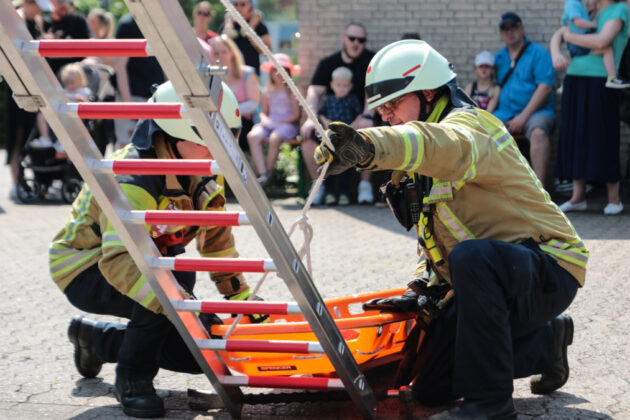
173	38
31	76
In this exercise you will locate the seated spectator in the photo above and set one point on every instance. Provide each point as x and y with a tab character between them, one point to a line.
231	28
484	90
341	105
278	119
355	56
202	16
241	79
75	86
525	103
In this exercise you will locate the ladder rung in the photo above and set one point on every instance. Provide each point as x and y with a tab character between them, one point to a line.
189	218
88	48
157	166
125	110
262	346
282	382
225	265
238	307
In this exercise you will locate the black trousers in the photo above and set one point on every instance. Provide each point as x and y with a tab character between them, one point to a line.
148	342
498	328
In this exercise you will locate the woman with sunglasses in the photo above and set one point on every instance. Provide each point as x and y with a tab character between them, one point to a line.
202	16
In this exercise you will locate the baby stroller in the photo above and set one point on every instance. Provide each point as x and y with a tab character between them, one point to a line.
47	170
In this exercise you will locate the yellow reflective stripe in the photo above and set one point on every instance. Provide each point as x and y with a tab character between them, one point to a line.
82	211
60	266
502	139
211	197
439	191
220	254
138	197
452	223
571	256
414	147
110	239
474	156
141	292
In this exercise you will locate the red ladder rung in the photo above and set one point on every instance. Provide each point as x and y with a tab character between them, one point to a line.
90	47
238	307
158	166
125	110
282	382
189	218
262	346
227	265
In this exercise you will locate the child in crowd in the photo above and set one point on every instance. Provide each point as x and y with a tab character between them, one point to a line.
344	106
484	90
278	119
75	86
578	18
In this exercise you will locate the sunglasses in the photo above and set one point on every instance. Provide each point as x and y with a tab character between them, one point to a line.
240	4
390	106
203	13
359	39
507	28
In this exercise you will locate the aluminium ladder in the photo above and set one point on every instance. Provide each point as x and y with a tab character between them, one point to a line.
173	43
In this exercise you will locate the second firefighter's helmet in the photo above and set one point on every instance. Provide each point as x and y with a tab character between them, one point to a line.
405	66
184	128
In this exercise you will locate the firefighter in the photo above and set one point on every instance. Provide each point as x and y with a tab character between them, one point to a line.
93	268
492	241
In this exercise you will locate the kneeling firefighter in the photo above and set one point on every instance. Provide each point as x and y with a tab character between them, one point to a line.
93	268
493	242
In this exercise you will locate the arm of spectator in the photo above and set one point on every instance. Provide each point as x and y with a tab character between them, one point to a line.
536	102
313	98
584	24
122	78
264	111
596	41
468	89
560	62
364	120
494	100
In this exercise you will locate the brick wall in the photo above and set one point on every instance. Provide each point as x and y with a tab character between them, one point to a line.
459	29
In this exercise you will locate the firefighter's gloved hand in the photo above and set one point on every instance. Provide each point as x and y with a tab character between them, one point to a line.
351	149
408	302
208	320
255	318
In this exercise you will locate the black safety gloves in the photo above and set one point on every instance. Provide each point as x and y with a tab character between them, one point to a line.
351	149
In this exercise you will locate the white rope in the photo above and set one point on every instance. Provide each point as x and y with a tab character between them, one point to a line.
302	221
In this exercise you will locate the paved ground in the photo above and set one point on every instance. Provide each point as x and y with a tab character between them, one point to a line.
355	249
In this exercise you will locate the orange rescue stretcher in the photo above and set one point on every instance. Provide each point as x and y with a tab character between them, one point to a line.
374	338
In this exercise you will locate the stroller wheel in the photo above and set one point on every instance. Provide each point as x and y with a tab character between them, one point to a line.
70	190
29	190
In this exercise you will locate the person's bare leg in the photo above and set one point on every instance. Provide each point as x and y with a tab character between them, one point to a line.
539	152
255	138
579	191
308	148
275	141
612	189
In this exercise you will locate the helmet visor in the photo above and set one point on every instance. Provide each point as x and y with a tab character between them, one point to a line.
384	88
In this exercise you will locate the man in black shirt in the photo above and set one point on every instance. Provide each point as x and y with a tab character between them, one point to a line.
356	57
251	54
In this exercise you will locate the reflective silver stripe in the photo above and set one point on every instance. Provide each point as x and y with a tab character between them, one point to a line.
452	224
143	292
65	251
568	253
111	237
70	261
414	140
501	140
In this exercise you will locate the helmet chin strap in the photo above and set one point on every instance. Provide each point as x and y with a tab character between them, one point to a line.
172	146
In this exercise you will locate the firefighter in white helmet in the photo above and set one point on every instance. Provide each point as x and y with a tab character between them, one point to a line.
493	243
96	273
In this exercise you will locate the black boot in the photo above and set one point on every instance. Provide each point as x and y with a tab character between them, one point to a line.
138	397
498	408
558	375
80	334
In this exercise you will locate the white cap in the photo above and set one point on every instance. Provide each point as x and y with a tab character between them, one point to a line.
484	57
45	5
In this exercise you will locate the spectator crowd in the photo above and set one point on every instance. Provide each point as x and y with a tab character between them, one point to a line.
515	84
